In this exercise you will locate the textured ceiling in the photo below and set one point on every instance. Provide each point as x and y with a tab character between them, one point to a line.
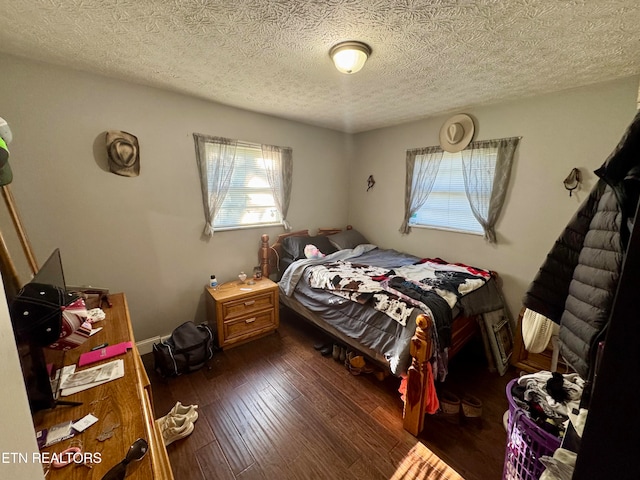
271	56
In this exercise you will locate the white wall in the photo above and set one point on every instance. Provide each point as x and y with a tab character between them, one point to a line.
17	448
576	128
143	235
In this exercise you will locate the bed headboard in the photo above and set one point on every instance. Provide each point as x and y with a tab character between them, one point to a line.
269	255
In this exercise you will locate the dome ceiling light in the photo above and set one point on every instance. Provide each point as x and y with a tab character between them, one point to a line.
349	57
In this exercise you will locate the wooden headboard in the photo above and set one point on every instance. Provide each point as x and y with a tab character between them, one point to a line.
269	255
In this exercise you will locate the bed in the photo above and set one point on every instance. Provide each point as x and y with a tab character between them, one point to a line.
374	301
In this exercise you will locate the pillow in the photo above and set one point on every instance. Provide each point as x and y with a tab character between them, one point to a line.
347	239
311	251
294	246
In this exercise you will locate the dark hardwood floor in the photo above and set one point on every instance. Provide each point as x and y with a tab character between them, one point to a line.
275	408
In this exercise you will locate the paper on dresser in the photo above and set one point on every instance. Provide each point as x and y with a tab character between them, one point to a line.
92	377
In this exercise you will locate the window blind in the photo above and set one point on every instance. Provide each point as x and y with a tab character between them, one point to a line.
447	206
249	200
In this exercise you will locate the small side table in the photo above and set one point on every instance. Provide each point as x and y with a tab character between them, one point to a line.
243	312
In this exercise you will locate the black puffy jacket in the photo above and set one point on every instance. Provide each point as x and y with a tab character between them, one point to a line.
577	282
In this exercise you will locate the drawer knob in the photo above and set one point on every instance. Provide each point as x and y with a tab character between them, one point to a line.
250	320
250	302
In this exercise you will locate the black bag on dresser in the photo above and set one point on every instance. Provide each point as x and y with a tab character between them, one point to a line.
189	348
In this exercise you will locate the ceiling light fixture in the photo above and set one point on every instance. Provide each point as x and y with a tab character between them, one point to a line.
349	57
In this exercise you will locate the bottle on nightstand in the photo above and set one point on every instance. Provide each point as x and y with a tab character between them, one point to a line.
213	282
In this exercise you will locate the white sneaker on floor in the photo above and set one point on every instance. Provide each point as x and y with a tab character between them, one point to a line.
189	410
175	428
180	410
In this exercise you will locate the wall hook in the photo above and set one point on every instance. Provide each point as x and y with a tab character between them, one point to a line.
370	182
572	181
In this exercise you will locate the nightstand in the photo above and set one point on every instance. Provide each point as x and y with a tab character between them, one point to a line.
243	312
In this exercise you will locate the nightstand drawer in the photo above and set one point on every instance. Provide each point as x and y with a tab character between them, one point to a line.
248	325
248	305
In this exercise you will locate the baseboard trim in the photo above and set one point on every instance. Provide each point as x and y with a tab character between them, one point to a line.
146	346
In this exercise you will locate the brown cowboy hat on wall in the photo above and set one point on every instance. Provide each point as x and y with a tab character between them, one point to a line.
123	152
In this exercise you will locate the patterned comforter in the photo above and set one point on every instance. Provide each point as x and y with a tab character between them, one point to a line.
356	289
431	285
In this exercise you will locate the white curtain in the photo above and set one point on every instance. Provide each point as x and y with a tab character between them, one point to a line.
278	164
486	167
425	162
216	160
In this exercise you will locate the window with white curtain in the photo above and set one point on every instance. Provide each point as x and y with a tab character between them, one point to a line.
243	184
249	200
463	191
447	206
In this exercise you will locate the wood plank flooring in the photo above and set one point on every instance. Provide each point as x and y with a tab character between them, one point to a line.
276	409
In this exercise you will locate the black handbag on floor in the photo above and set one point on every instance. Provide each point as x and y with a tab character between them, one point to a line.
189	348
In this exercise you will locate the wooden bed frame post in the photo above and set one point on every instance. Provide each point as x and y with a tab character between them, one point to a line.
417	384
264	255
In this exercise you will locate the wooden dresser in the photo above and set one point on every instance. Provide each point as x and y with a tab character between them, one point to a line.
125	402
243	312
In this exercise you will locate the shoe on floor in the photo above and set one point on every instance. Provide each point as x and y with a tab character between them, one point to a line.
355	363
343	354
335	353
471	406
472	410
191	415
179	410
450	405
176	428
190	411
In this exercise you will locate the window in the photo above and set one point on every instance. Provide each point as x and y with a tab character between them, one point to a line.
243	184
249	200
447	206
462	191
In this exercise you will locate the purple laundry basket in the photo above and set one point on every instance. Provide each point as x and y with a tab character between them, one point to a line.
526	443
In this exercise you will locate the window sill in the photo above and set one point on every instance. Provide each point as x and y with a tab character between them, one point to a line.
445	229
247	227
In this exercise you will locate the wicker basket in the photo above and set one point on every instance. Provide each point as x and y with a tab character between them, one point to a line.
526	443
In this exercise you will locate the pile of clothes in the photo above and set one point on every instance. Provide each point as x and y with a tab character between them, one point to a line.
549	398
